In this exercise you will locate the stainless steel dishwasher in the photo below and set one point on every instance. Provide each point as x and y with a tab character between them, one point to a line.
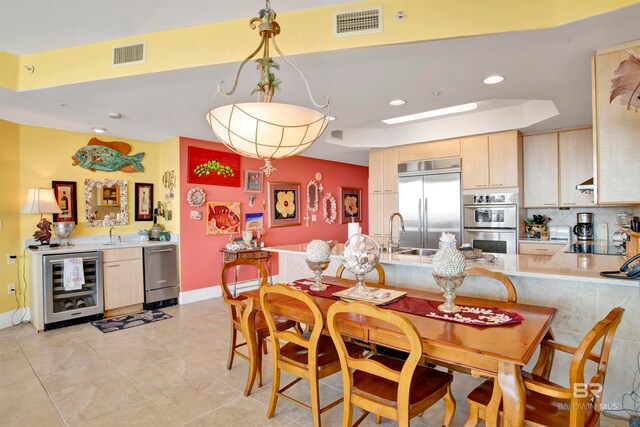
161	282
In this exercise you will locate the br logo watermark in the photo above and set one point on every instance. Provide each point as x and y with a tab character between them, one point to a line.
585	391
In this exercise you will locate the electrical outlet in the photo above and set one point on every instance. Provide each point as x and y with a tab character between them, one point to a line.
11	288
11	259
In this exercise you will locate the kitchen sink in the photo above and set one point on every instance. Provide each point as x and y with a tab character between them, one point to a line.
116	243
417	251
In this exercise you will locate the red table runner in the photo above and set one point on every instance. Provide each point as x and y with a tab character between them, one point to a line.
470	315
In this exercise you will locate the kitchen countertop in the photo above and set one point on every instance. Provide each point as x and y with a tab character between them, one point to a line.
561	266
99	246
548	242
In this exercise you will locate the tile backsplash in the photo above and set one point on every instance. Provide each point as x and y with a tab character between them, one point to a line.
567	218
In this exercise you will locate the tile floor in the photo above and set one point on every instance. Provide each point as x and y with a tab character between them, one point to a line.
164	374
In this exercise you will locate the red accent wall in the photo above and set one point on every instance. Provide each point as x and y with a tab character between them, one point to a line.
200	256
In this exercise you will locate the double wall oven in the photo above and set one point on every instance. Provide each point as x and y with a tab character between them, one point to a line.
491	222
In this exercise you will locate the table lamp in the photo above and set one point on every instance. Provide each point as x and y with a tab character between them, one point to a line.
42	201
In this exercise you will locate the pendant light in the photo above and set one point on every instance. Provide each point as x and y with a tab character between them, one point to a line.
264	129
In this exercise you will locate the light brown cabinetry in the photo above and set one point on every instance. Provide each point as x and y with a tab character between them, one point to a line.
491	161
123	278
383	171
541	170
503	160
381	206
429	150
539	249
576	166
617	132
475	162
554	163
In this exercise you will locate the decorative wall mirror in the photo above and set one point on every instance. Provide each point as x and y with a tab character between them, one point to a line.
106	202
329	208
312	197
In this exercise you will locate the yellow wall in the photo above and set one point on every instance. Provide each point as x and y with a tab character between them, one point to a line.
305	31
9	207
45	156
169	160
34	156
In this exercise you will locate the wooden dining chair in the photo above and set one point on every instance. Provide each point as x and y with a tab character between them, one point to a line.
379	269
550	404
310	355
512	295
237	305
385	386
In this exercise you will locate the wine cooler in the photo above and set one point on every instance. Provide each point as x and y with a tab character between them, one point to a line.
63	304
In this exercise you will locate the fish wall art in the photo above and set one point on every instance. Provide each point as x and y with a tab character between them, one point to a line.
223	217
108	156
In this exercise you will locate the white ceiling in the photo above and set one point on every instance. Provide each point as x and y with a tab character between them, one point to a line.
547	65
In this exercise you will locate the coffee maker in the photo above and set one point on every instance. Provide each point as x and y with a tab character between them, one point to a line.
584	228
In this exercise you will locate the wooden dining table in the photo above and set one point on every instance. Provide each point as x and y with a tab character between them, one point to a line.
498	352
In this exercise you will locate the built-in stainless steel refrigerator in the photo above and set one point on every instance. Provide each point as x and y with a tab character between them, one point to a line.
429	201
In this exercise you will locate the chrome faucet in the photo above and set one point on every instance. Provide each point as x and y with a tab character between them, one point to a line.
111	234
390	244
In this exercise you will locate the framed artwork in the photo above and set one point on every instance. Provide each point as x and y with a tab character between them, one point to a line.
65	192
144	202
223	217
253	181
351	204
254	221
108	195
213	167
284	204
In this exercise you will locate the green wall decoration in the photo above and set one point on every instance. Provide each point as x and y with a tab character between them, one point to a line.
108	156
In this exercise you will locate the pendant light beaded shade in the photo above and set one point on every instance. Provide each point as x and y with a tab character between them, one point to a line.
267	130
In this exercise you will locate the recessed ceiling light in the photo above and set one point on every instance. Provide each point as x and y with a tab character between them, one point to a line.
99	130
396	102
115	116
331	118
491	80
61	105
432	113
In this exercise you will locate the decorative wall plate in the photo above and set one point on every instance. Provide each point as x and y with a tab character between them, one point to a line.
195	197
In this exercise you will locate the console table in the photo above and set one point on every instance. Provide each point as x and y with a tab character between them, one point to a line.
256	253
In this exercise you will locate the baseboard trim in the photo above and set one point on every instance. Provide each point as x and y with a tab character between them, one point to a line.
210	292
6	319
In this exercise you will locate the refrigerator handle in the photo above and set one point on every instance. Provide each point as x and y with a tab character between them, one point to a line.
420	220
426	223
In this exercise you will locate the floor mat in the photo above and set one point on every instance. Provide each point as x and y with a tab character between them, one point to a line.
113	324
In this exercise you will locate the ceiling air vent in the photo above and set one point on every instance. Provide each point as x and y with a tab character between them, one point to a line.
357	21
336	134
130	54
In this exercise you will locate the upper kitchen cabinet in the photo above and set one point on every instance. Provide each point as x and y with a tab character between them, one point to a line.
505	159
475	162
383	171
429	151
576	166
554	163
491	161
541	170
617	125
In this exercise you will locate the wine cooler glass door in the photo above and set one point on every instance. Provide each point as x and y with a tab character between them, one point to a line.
77	294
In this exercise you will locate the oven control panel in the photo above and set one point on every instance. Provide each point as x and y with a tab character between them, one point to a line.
491	199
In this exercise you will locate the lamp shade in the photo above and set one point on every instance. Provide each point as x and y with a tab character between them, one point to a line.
267	130
41	200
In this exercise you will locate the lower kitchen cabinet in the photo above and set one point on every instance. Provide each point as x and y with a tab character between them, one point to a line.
123	278
381	206
539	248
